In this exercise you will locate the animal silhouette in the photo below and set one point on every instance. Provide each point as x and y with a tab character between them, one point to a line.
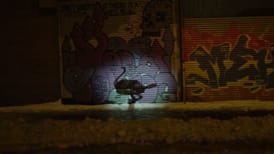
131	87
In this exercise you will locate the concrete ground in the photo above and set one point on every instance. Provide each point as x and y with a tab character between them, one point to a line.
200	127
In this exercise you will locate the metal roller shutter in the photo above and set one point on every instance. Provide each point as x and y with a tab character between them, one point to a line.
228	58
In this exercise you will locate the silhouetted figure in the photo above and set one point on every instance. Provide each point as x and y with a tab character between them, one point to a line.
131	87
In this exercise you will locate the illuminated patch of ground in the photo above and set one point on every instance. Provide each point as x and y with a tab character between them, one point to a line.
241	105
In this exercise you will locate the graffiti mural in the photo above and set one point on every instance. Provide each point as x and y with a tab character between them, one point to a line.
118	52
230	59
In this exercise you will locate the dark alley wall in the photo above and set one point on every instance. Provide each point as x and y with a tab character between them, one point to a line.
29	60
29	53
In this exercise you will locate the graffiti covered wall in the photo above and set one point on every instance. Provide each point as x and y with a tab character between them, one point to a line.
228	58
119	51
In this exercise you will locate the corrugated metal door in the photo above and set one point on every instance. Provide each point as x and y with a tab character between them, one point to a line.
228	58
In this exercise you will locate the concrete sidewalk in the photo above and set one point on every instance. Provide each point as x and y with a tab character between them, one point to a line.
178	110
